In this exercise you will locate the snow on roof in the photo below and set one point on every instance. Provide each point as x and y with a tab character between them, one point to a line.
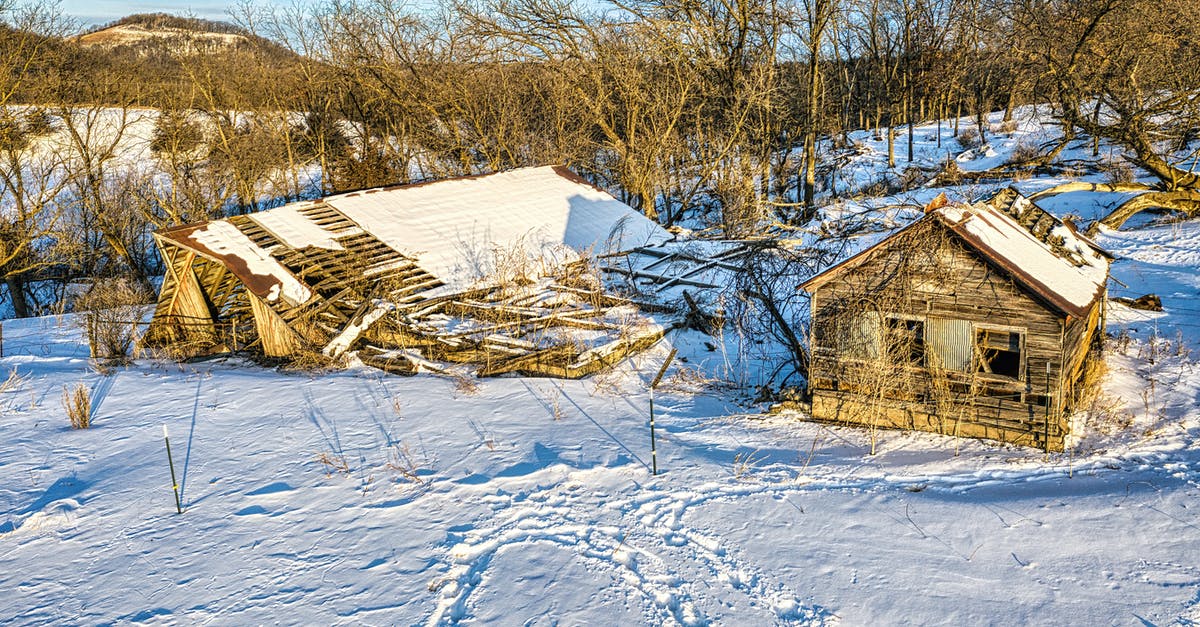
296	229
1065	268
1070	278
261	272
455	228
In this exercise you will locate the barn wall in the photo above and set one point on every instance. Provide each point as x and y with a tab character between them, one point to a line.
277	338
1080	335
184	312
927	274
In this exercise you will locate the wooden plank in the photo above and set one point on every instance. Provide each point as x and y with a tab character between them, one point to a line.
608	300
174	272
612	353
278	339
535	360
655	278
850	409
190	300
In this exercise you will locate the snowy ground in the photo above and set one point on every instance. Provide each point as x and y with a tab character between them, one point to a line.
362	498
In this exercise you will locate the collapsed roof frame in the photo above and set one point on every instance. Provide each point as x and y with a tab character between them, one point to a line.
307	277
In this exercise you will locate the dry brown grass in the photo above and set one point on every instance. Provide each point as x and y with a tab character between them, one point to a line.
1103	414
114	309
333	463
313	362
1007	126
744	464
179	351
403	462
464	384
77	402
14	381
693	380
553	400
8	388
1117	171
1024	152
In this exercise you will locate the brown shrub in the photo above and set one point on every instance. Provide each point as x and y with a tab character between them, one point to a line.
1024	152
114	309
969	138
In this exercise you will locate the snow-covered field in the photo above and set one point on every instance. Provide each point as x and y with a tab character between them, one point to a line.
357	497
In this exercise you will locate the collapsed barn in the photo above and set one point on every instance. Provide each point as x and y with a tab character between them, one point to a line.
487	270
976	320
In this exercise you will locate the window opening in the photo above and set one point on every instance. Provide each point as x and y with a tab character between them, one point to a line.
999	352
907	339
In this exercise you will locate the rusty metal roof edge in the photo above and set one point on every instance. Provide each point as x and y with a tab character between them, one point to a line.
1043	292
240	270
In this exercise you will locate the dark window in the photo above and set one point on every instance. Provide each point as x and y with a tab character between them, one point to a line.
906	338
999	352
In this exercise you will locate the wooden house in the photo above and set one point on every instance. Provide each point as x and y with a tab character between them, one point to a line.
976	320
455	271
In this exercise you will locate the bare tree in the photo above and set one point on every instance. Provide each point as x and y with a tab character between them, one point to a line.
32	228
34	231
1125	71
817	17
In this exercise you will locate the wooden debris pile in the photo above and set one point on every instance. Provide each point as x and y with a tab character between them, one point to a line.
395	272
362	296
565	326
653	271
542	329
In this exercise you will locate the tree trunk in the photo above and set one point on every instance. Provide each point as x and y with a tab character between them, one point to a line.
16	291
810	136
647	202
908	117
1131	134
891	144
939	111
1186	202
810	174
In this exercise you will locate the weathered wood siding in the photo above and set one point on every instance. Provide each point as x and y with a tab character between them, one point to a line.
1080	335
277	338
184	312
927	274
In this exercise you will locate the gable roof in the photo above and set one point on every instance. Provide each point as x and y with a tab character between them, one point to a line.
1048	257
451	229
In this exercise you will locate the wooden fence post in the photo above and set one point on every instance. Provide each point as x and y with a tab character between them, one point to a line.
91	331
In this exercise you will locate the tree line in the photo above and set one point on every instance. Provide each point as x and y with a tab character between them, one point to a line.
717	114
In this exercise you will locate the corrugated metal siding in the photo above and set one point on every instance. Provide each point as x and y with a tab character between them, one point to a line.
861	339
950	343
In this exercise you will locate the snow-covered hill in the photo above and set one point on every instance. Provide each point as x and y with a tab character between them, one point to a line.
357	497
185	40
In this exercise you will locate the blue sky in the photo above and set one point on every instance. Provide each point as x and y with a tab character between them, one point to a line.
90	12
